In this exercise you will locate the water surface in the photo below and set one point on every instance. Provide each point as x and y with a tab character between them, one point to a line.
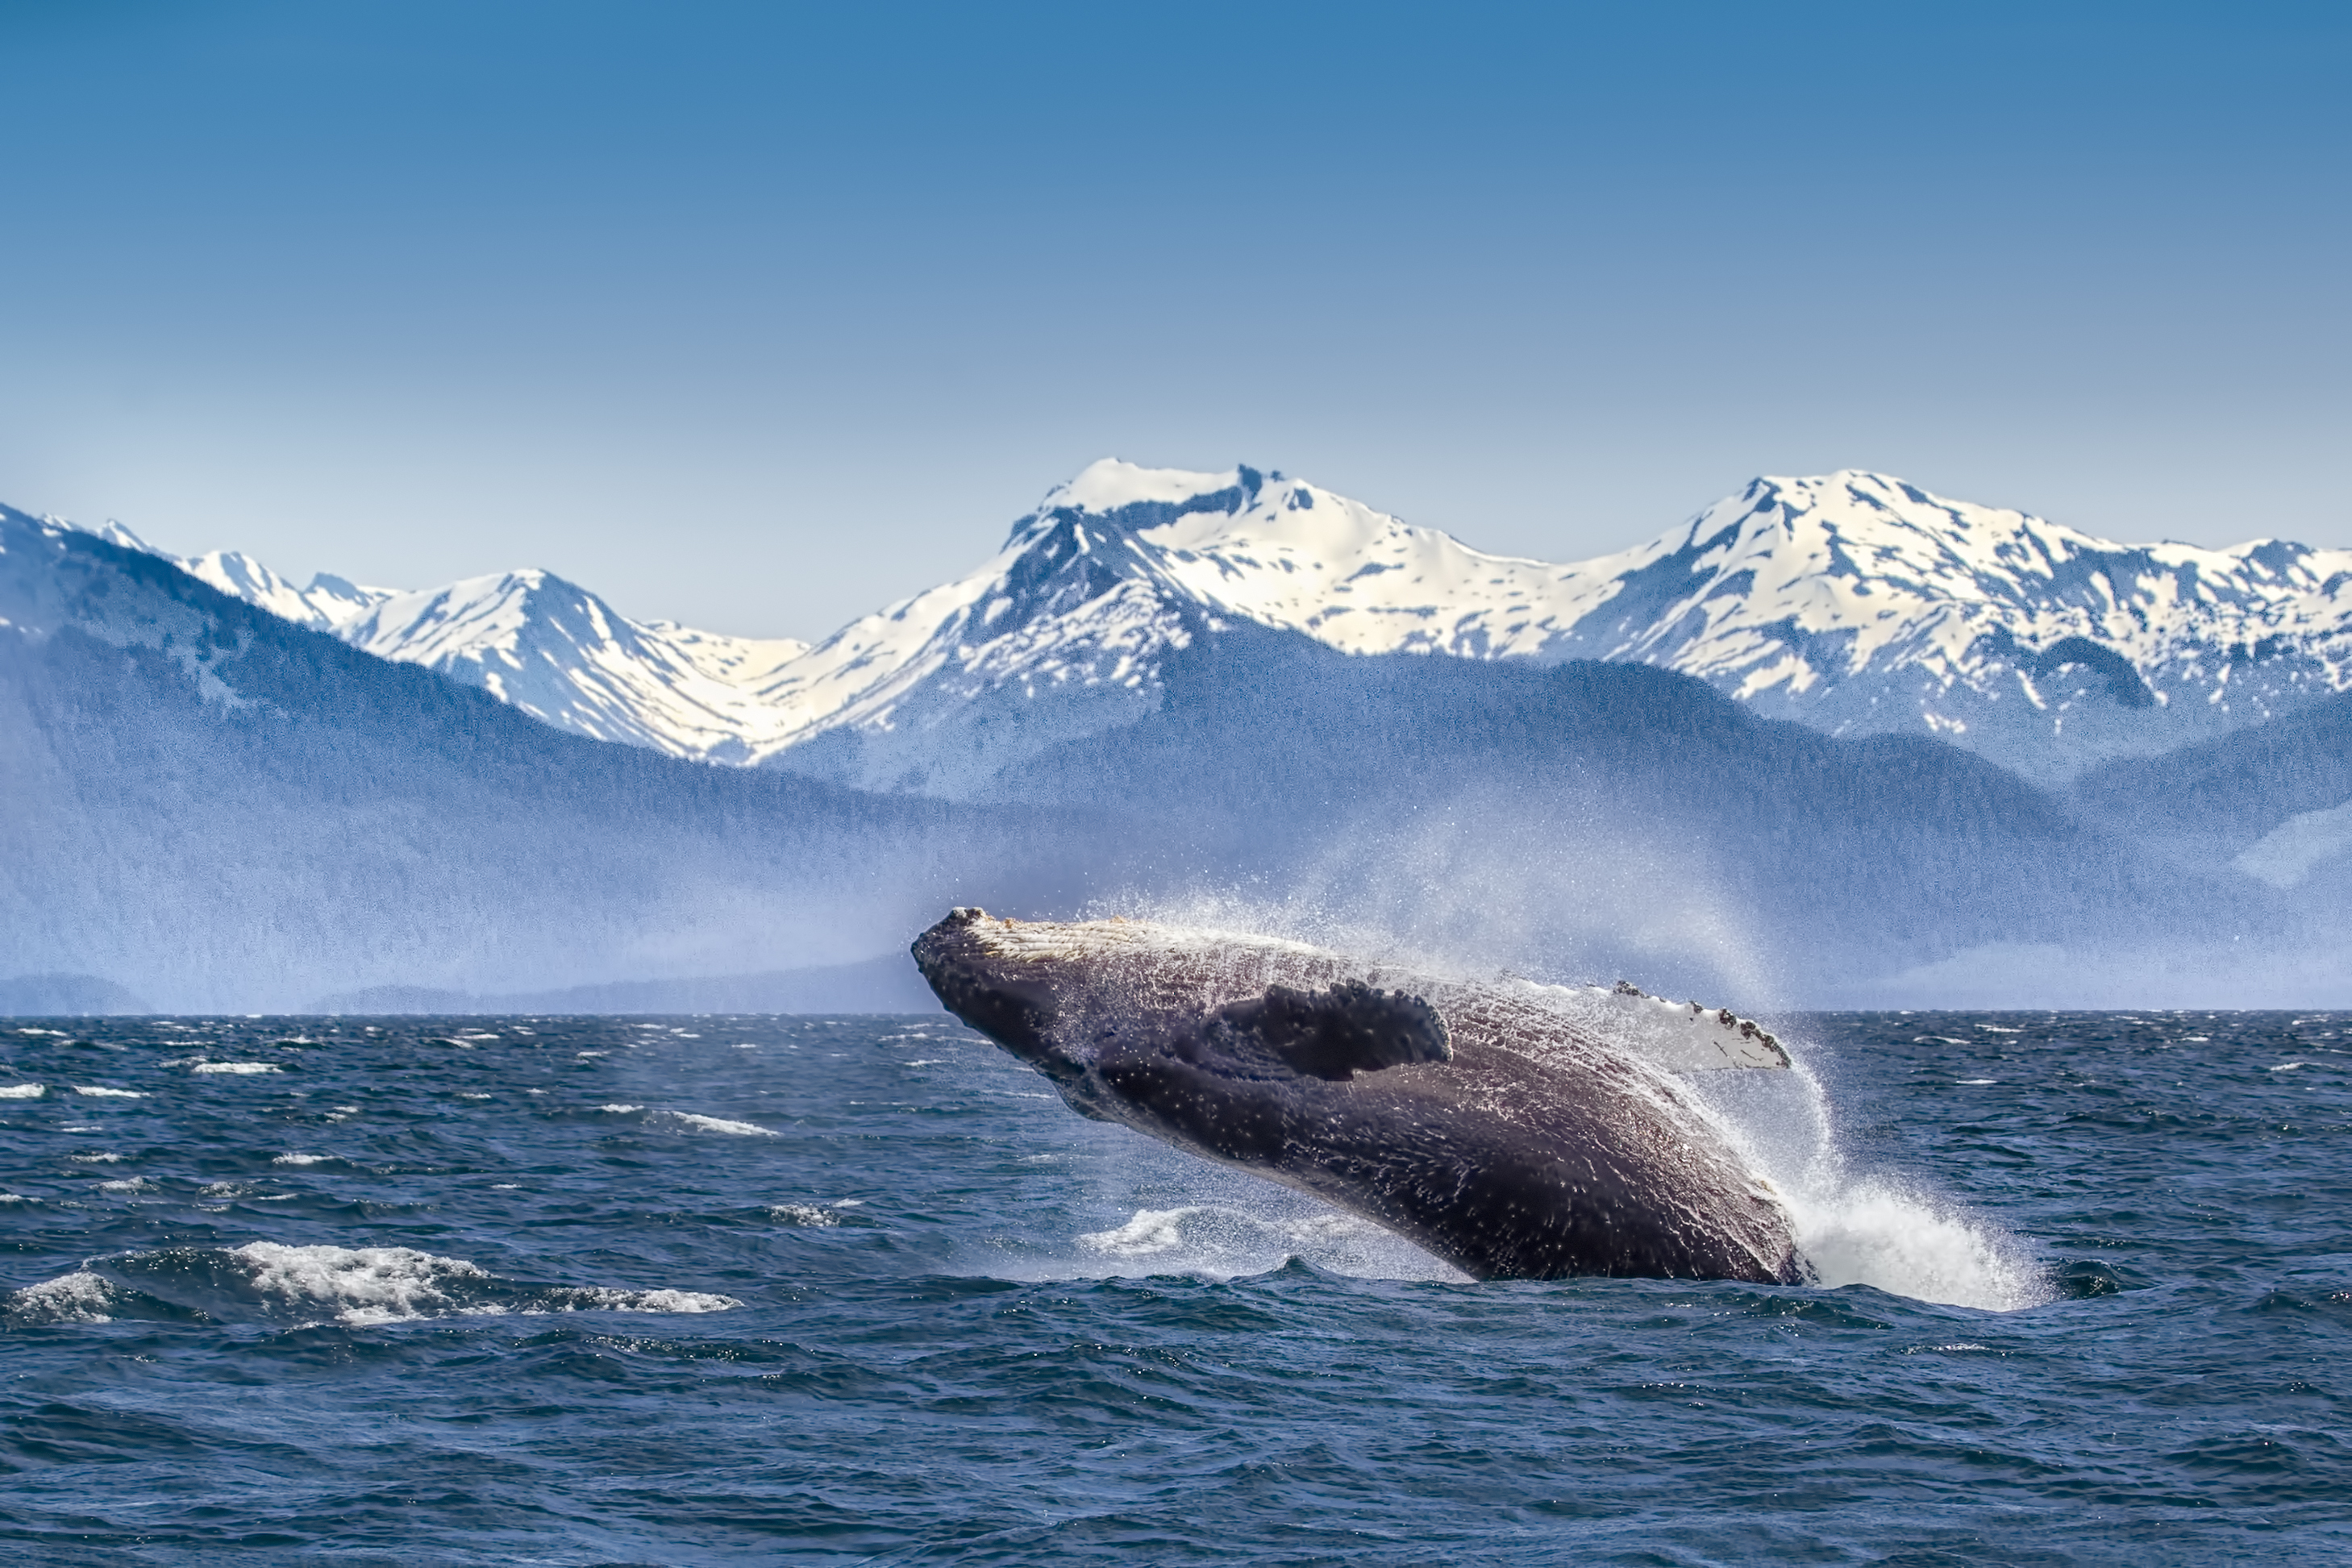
717	1290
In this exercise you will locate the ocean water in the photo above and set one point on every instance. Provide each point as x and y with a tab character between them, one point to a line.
724	1289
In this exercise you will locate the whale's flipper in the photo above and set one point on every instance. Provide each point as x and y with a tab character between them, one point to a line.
1684	1037
1339	1032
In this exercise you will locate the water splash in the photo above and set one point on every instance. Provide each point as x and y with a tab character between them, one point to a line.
1865	1227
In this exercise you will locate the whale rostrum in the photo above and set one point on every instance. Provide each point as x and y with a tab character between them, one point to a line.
1516	1130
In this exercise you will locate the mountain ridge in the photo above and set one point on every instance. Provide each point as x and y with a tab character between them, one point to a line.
1854	602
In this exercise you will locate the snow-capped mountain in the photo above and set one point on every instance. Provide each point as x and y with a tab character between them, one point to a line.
562	655
1854	602
530	638
1858	603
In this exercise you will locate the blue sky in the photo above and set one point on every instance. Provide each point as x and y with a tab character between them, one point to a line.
757	316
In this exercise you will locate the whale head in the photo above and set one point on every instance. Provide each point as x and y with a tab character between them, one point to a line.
1103	1008
998	984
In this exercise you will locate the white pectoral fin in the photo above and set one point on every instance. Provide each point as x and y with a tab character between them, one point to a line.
1684	1036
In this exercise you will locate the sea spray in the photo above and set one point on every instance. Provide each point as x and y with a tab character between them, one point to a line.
1864	1228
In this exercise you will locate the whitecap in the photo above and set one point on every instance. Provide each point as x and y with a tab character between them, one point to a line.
246	1067
366	1285
697	1123
22	1091
95	1159
80	1297
621	1110
100	1092
2289	1066
300	1159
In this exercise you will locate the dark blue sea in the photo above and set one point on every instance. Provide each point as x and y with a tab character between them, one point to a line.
729	1289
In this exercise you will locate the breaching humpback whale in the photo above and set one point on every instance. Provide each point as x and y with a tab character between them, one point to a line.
1516	1131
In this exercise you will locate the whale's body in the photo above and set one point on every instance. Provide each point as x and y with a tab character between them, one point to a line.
1516	1131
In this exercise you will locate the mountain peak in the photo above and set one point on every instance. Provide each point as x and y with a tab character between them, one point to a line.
1111	484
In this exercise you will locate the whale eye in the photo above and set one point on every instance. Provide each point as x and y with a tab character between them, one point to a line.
1336	1033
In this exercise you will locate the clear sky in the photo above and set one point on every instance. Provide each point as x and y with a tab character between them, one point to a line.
758	316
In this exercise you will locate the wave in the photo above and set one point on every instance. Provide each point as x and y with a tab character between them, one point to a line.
689	1122
268	1281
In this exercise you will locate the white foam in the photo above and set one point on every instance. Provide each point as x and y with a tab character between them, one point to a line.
100	1092
663	1301
1151	1230
22	1091
367	1285
300	1159
805	1214
364	1285
80	1297
618	1109
236	1067
135	1184
1221	1240
95	1159
693	1123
